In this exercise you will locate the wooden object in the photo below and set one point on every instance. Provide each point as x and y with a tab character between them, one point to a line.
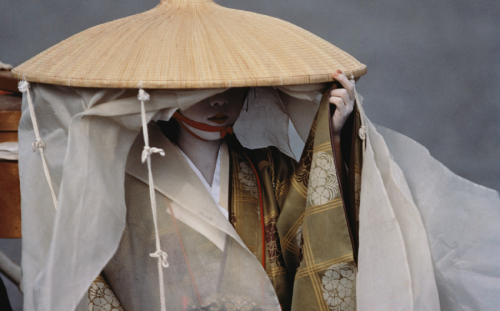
10	192
8	82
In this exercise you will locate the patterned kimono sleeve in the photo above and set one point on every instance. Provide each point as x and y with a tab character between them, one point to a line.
317	224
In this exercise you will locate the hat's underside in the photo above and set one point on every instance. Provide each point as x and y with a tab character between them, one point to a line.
190	44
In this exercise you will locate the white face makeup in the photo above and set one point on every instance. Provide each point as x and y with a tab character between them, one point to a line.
221	110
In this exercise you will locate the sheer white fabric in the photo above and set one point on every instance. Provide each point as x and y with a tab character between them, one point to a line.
208	260
423	230
461	220
88	133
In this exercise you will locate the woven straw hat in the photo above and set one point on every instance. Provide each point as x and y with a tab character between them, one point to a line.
190	44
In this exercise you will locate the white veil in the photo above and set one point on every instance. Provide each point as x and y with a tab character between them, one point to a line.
450	224
88	134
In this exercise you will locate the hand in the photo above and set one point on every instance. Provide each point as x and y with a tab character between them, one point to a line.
343	99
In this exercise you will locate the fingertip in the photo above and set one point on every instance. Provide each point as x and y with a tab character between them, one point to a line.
336	73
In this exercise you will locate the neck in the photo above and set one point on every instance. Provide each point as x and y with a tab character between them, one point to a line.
203	153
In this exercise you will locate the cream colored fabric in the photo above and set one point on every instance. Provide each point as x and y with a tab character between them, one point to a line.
415	217
190	199
427	236
194	207
394	254
86	137
88	133
461	219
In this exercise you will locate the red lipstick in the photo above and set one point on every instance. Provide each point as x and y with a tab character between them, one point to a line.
219	118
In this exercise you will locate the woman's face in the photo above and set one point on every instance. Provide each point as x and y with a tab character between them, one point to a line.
221	110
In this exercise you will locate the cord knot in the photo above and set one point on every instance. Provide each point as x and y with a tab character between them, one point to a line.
150	150
352	79
23	86
37	144
161	255
362	132
143	95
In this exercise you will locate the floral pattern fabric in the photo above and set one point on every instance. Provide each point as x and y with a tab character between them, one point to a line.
247	178
323	184
314	222
220	302
339	283
101	297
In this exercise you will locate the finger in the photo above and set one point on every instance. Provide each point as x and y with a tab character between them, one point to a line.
342	93
339	103
342	107
340	77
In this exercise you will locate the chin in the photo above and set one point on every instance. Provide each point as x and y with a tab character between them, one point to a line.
205	135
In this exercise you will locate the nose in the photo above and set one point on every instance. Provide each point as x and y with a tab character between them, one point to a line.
218	100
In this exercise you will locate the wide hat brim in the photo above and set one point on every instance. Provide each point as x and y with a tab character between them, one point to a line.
190	44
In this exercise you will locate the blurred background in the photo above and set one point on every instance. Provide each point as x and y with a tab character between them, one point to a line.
433	66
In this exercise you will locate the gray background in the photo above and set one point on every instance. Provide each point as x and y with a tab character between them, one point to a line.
433	66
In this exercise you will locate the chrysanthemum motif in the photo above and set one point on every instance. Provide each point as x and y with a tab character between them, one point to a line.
101	298
247	178
323	185
339	287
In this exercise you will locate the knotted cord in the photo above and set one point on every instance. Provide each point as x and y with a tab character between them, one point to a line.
362	129
24	86
146	157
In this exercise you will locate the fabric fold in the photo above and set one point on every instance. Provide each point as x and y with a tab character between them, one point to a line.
394	254
461	221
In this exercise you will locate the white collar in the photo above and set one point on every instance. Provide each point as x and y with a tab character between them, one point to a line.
214	190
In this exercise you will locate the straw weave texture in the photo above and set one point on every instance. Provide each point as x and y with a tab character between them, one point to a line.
190	44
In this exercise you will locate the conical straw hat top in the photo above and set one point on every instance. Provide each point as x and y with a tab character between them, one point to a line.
190	44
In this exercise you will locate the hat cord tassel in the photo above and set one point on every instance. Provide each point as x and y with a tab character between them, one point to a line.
24	87
146	157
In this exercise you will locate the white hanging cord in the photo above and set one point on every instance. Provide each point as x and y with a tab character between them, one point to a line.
24	86
356	97
146	157
362	128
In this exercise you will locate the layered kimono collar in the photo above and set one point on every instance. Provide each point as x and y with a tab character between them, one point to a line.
177	181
